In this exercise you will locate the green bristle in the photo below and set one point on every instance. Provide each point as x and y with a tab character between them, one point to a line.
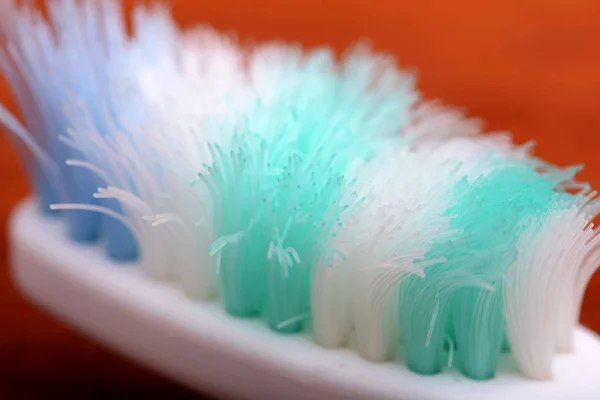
352	106
236	182
273	201
302	216
460	300
505	343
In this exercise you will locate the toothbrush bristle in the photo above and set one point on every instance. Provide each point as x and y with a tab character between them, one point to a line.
320	193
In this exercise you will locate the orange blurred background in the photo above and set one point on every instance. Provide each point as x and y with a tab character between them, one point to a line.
528	67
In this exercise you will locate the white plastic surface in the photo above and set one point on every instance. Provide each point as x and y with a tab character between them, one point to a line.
200	346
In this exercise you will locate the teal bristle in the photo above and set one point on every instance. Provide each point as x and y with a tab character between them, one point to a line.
302	215
274	210
356	103
461	299
236	183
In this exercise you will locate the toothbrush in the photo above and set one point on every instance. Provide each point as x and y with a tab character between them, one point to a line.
398	252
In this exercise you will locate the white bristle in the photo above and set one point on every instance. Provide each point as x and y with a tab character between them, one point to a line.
330	305
432	121
380	241
549	256
573	286
188	106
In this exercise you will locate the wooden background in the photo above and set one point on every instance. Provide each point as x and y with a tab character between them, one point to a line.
529	67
